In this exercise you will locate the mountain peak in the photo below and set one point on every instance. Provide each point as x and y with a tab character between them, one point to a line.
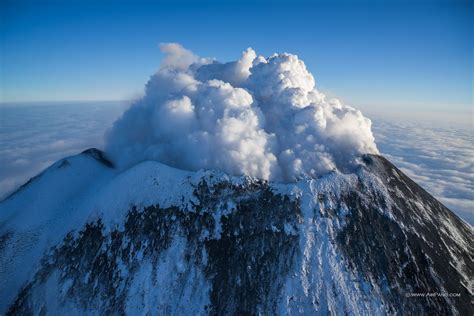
98	155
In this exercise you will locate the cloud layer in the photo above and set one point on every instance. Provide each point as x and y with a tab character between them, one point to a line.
257	116
34	136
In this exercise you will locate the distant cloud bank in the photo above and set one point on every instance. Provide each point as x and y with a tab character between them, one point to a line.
257	116
33	136
438	156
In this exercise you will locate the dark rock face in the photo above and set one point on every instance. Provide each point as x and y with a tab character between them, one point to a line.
98	155
245	261
413	260
247	264
235	248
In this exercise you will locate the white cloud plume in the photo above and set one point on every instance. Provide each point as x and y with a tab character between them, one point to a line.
257	116
177	57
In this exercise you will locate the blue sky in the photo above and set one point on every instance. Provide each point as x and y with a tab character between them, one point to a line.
413	55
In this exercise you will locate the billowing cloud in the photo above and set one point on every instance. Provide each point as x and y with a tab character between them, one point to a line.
177	57
257	116
437	155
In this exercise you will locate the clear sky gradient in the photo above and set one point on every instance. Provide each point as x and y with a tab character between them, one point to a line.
391	55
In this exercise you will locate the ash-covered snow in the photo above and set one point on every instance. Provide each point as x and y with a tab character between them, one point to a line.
154	239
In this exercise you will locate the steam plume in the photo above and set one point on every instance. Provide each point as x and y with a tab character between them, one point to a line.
257	116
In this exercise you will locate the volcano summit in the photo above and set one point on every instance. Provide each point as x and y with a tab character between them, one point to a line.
232	188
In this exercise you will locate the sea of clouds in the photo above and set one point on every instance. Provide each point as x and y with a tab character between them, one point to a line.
438	155
33	136
257	116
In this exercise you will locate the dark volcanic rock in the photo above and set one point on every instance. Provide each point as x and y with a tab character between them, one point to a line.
417	259
245	261
359	243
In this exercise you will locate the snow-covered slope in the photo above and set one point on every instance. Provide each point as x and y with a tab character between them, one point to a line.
85	237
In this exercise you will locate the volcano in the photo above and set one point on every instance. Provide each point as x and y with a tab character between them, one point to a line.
86	237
